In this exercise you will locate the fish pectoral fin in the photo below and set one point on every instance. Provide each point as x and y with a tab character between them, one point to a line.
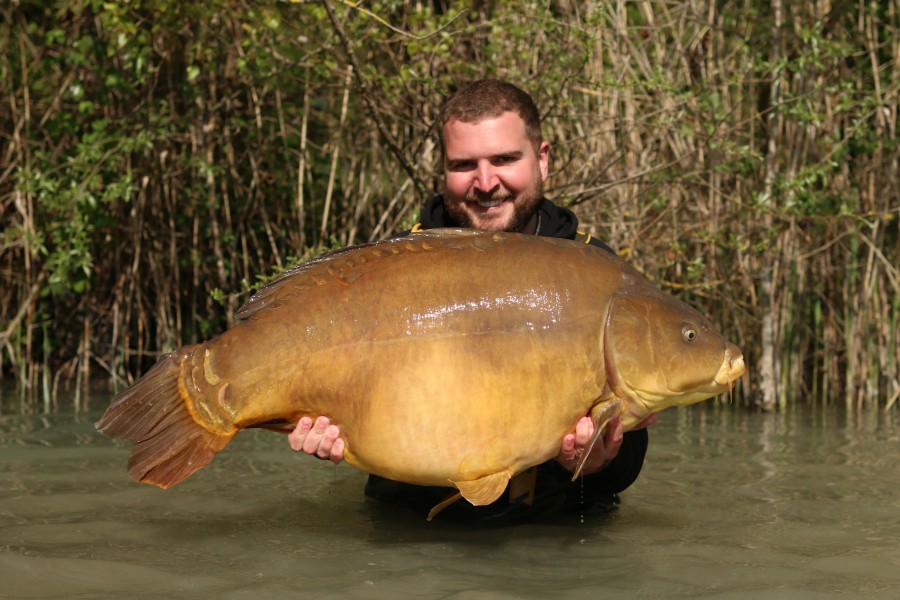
443	504
601	414
606	411
483	490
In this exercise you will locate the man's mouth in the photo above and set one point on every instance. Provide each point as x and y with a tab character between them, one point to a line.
489	203
495	199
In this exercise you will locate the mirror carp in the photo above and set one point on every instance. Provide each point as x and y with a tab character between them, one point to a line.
447	357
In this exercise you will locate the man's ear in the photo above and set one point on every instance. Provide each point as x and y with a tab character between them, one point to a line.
543	157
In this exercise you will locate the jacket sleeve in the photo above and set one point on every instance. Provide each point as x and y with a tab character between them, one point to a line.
615	478
624	468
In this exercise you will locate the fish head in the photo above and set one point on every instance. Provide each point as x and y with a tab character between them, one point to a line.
660	352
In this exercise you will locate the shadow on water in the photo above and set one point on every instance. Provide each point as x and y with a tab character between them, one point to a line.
800	504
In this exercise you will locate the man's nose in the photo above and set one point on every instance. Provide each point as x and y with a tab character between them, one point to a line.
485	179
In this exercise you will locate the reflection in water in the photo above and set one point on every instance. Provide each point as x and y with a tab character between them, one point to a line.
800	504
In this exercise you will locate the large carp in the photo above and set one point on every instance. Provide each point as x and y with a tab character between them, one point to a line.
445	357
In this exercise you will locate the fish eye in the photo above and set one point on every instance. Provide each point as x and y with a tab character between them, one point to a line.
688	333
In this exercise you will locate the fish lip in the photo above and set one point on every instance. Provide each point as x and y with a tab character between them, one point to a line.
731	369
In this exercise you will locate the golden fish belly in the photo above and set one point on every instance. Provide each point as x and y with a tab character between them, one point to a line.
496	406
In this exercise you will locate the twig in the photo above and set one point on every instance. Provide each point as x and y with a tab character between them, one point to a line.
421	188
334	158
23	308
356	6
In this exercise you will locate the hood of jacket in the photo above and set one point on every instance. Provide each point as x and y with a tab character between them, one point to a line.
556	221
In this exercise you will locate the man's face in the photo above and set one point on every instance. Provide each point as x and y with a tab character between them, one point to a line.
493	177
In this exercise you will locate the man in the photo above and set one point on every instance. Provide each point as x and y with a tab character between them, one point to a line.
495	163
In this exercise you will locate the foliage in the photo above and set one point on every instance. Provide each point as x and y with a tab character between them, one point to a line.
159	157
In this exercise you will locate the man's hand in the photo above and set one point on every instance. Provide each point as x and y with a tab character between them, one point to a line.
605	449
321	439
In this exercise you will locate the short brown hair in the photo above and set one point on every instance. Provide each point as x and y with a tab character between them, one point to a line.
488	98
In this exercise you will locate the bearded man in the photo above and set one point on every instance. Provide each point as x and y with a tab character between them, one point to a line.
495	163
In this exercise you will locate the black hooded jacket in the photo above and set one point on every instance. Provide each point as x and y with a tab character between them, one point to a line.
555	492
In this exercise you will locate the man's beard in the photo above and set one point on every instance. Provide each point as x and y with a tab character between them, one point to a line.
523	209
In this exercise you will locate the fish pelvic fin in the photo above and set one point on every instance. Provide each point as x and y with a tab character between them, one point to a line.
169	444
483	490
602	414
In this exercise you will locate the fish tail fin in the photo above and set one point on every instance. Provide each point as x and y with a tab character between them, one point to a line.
169	444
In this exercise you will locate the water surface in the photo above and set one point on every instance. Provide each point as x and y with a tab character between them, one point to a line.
730	504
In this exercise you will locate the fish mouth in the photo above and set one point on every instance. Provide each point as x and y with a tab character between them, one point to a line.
732	368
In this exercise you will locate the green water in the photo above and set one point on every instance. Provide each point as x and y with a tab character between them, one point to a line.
730	505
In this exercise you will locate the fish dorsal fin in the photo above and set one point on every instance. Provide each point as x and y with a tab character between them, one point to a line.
483	490
341	266
602	414
294	281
